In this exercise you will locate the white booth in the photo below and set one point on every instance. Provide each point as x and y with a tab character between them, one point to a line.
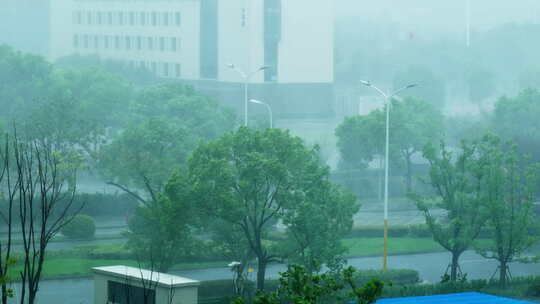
130	285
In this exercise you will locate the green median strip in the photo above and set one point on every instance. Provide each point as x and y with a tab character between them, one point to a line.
358	247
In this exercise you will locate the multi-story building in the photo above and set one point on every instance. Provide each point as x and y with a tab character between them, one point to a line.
195	40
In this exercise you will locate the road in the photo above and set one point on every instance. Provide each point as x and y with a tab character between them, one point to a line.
430	266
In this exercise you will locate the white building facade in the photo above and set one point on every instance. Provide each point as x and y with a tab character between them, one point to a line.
195	40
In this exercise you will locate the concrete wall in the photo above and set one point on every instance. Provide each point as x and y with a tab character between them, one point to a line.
180	295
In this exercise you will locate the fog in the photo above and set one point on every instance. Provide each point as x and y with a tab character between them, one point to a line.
278	137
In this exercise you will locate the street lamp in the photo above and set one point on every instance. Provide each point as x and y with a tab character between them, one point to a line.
387	99
246	78
267	106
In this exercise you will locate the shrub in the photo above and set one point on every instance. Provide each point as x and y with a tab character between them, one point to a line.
81	227
534	288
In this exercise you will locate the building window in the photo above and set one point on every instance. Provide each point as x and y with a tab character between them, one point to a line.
142	18
150	43
78	17
166	19
75	41
173	44
154	18
154	67
123	293
109	18
177	18
244	17
132	18
162	44
120	18
117	42
89	18
165	69
106	42
96	42
99	18
177	70
139	43
128	43
85	41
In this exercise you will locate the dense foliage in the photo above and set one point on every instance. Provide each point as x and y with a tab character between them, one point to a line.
413	124
250	179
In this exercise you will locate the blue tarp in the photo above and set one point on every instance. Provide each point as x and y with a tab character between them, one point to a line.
457	298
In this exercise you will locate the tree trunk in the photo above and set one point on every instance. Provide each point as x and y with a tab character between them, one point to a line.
503	273
261	272
455	265
4	294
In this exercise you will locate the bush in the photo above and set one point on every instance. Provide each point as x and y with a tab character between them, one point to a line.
81	227
420	231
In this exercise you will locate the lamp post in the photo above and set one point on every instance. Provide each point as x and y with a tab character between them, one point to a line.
246	77
387	99
267	106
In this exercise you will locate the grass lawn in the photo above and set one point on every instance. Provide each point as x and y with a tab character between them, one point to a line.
358	247
82	267
374	246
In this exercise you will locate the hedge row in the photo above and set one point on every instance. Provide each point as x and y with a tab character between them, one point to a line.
517	288
221	291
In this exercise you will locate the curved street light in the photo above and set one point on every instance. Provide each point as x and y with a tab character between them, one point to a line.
387	98
267	106
246	77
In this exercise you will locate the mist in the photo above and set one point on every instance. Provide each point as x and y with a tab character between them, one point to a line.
392	145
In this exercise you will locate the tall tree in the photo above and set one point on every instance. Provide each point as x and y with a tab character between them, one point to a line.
166	123
507	192
250	178
316	227
516	119
456	181
162	233
413	123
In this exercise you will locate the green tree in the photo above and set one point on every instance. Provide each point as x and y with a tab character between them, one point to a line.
413	124
516	119
81	104
144	156
315	228
455	179
507	192
24	80
360	138
161	233
166	123
250	178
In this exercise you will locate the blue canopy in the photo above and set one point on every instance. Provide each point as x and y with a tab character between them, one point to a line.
456	298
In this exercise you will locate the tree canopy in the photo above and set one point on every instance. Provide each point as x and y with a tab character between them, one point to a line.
413	123
250	178
166	122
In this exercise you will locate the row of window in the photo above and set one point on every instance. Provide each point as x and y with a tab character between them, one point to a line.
121	18
162	69
138	43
